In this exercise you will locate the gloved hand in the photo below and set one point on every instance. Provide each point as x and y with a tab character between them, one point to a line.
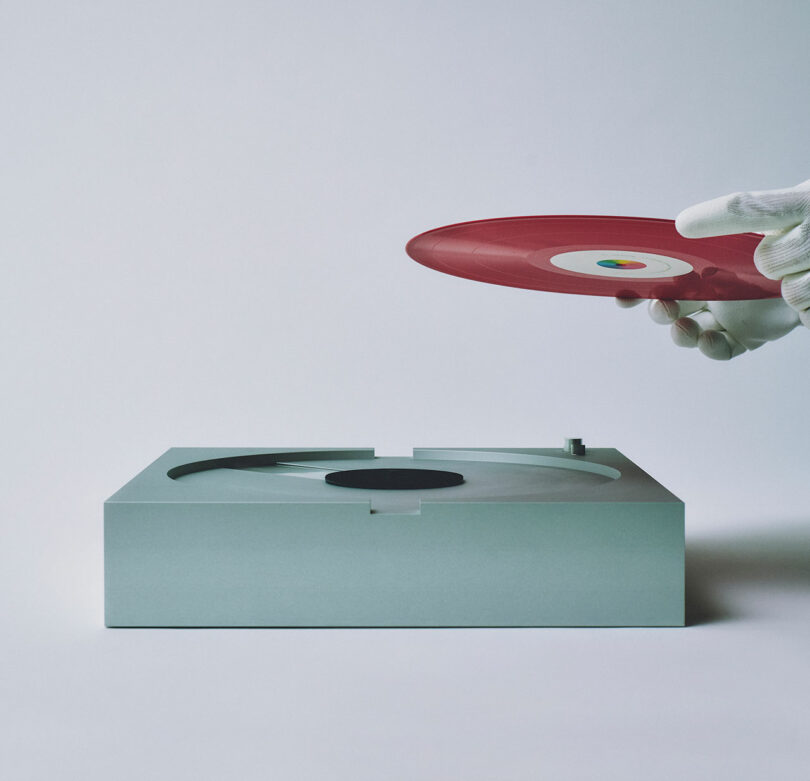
725	329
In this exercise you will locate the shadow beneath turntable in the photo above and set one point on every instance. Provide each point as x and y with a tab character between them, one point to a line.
734	565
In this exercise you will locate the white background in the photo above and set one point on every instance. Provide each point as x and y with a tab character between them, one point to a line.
204	213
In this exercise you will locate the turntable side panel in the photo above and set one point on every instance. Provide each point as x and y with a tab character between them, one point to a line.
479	564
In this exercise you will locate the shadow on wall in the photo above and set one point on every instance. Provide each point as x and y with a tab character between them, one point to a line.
773	558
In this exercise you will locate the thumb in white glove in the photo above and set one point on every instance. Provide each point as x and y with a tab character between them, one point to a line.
725	329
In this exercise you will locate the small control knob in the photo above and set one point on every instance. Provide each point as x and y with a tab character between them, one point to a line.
574	447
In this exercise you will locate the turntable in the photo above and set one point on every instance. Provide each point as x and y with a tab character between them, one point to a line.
447	537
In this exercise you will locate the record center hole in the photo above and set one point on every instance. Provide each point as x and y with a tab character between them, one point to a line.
394	479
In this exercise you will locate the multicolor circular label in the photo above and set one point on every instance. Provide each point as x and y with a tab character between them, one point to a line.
621	263
625	265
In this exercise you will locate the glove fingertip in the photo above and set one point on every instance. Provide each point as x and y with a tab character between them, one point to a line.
686	224
663	311
714	346
719	345
685	332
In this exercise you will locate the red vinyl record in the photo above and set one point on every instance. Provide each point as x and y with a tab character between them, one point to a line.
633	257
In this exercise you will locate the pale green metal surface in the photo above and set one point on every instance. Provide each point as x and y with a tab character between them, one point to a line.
552	540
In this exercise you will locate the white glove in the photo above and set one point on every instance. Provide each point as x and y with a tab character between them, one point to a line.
725	329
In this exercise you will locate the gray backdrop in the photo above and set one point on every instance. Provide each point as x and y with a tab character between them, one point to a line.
205	206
